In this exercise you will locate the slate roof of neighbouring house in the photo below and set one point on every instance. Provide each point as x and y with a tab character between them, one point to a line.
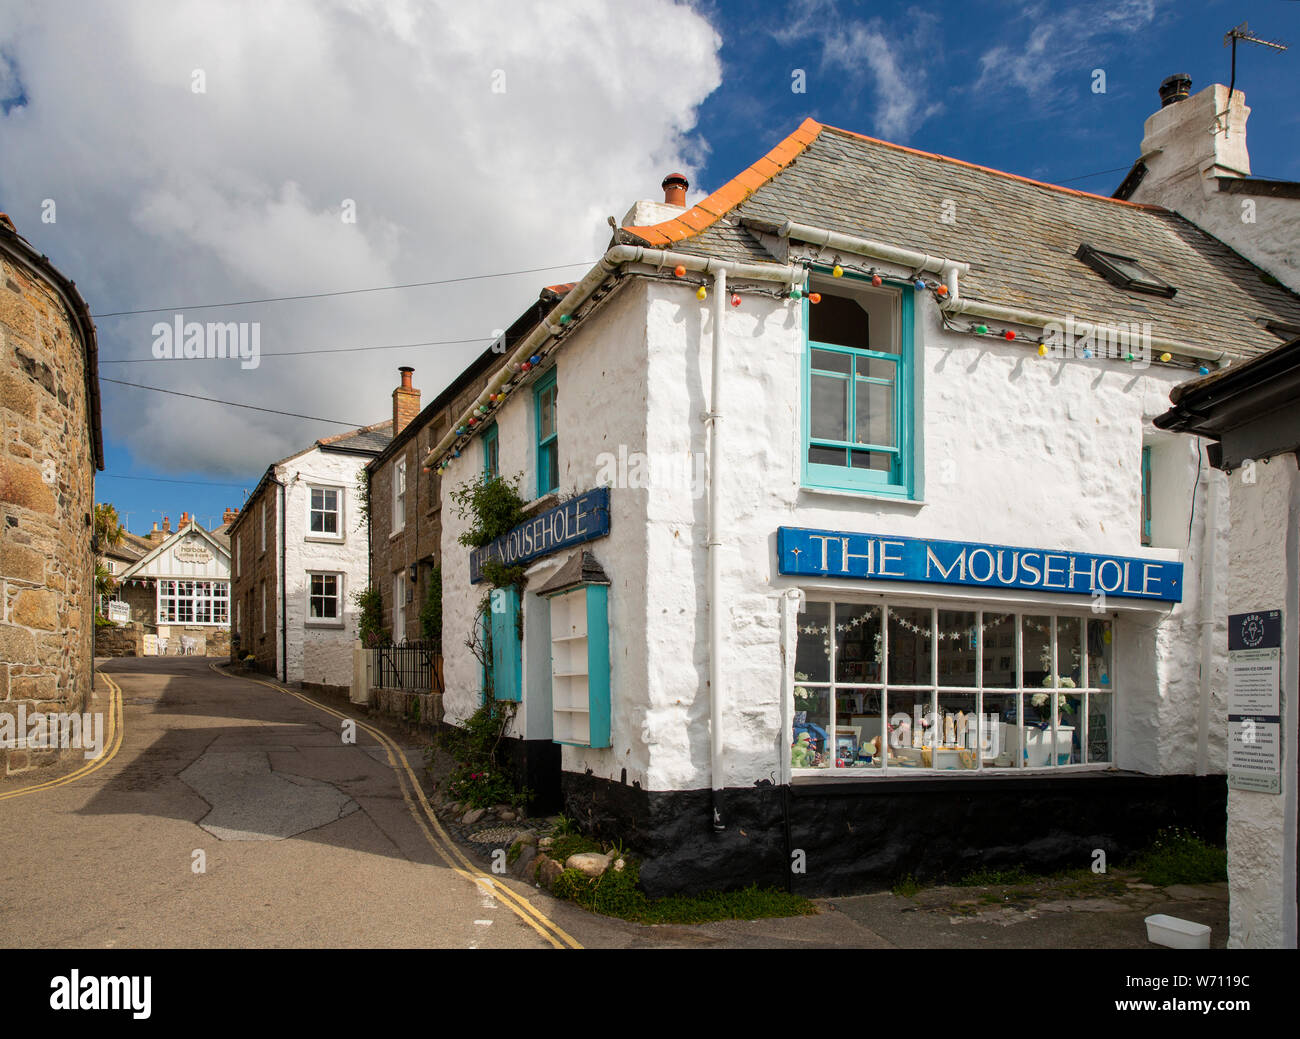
1019	236
370	440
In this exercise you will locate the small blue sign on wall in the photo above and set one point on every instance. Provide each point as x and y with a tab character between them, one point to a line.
579	519
834	553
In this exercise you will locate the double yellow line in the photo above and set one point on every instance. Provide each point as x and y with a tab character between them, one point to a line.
427	820
114	744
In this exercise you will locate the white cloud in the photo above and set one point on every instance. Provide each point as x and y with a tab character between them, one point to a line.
858	51
169	197
1059	37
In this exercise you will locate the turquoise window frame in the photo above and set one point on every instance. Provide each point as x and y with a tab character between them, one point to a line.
1146	494
900	482
491	445
548	446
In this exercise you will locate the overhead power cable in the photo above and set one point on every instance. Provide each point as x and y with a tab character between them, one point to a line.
161	479
342	292
295	353
233	404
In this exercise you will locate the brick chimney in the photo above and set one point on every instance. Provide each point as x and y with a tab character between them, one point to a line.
167	525
185	518
229	516
406	401
155	534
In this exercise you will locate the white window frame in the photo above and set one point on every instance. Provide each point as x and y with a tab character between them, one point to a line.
399	495
325	622
110	566
399	606
184	600
316	535
982	616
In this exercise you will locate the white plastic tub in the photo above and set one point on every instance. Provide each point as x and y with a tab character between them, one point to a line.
1177	934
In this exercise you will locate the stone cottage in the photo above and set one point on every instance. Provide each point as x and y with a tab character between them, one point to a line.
52	447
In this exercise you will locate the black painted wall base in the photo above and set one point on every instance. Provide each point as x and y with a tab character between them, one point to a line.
863	836
537	765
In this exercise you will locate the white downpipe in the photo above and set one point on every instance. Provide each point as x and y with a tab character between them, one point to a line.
616	257
715	559
1039	320
1207	619
909	258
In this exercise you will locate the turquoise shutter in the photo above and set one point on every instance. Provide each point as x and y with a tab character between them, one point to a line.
598	664
507	650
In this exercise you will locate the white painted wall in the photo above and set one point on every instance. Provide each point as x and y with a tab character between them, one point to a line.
1042	453
602	392
1185	147
1265	574
321	652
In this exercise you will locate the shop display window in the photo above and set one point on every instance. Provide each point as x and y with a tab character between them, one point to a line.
897	688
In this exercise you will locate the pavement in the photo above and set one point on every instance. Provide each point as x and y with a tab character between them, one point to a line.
236	815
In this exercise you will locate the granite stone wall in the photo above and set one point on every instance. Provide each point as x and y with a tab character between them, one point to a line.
46	496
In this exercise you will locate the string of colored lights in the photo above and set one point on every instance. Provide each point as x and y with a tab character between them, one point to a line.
918	282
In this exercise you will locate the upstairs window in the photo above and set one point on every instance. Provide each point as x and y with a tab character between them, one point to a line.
548	448
491	452
857	426
399	495
1146	494
325	512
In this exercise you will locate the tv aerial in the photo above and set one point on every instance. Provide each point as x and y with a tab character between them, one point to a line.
1242	32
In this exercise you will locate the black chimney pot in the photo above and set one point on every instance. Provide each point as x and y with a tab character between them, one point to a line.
1175	88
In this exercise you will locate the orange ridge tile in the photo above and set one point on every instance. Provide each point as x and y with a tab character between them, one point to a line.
710	209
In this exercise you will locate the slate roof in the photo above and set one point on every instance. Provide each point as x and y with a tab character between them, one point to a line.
1018	235
368	439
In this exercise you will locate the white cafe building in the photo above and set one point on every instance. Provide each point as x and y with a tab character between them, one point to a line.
180	589
894	569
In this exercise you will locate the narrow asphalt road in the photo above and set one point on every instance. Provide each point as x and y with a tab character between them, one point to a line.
234	815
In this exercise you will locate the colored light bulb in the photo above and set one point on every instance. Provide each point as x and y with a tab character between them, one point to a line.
877	280
735	299
837	271
981	330
814	297
701	293
1008	335
1203	370
565	318
1166	357
680	271
1042	349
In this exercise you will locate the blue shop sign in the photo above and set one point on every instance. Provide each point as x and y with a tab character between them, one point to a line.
832	553
577	520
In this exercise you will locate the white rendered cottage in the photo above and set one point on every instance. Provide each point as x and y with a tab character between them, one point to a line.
855	545
180	590
303	530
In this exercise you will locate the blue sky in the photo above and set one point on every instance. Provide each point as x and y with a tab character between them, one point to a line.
170	200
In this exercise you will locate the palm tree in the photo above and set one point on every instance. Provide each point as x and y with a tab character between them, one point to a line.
108	530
